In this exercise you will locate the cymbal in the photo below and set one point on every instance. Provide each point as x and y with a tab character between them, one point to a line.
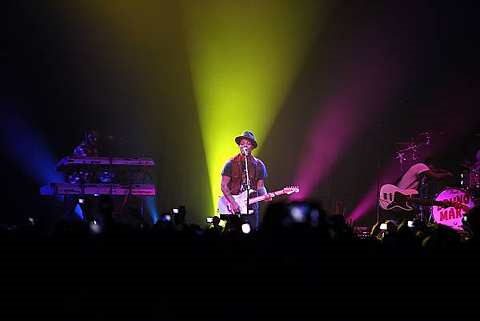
471	165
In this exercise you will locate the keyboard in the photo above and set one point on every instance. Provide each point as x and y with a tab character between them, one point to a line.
72	161
97	189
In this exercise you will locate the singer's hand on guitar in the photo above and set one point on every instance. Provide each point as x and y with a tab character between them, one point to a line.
234	207
269	197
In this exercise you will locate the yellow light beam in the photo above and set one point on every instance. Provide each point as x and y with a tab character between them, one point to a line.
244	56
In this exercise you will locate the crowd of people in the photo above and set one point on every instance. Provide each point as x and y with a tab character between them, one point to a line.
302	263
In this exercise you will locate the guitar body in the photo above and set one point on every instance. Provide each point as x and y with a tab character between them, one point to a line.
392	197
241	199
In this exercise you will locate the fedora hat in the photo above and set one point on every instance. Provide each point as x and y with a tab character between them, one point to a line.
247	135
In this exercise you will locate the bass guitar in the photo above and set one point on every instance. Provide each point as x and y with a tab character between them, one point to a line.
393	197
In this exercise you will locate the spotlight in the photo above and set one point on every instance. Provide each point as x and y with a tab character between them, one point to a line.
81	201
94	227
179	215
246	228
214	220
299	212
31	221
465	224
222	223
166	217
379	230
297	215
215	223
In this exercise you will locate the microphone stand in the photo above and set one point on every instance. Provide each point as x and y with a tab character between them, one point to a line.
248	181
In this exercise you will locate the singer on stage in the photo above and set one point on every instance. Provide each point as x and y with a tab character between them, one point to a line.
235	179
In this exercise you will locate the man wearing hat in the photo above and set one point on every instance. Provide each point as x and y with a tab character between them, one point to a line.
234	178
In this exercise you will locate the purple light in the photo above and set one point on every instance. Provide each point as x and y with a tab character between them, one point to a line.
324	145
359	101
369	201
27	148
453	124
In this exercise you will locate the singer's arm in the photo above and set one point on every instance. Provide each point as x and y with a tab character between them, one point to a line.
228	194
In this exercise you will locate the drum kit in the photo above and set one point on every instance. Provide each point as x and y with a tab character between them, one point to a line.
467	192
452	216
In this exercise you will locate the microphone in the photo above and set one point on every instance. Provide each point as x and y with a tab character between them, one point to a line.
245	151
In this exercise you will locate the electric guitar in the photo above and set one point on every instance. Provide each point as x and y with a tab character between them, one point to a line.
224	206
393	197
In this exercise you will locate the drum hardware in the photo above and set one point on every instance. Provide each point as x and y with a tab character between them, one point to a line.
470	180
409	151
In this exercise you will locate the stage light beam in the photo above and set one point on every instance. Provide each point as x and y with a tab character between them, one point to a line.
244	56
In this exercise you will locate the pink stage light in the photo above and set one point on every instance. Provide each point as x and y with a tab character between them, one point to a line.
369	201
358	102
453	124
325	143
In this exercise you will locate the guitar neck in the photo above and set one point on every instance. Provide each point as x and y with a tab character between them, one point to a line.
457	205
425	202
263	197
